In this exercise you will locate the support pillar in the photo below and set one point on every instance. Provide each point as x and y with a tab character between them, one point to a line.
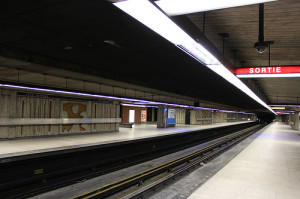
152	115
295	121
166	117
298	116
162	116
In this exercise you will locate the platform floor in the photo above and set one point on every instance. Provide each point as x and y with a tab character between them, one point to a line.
269	168
17	147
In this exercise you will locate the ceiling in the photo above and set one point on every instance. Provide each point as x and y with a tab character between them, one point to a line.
281	25
95	38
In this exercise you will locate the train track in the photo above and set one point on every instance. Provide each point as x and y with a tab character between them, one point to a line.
145	182
29	175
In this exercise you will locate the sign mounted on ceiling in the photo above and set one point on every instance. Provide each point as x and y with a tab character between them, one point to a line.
269	71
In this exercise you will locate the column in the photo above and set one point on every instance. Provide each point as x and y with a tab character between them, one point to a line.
162	116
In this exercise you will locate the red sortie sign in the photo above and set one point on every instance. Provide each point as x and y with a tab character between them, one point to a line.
268	70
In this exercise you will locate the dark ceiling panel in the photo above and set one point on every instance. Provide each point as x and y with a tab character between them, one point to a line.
281	24
69	34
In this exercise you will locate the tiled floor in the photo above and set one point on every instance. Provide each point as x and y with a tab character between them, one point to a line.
10	148
269	168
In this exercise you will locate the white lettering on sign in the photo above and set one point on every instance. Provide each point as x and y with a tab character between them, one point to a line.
261	70
278	70
269	69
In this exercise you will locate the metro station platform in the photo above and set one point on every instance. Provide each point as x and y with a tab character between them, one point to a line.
26	146
269	167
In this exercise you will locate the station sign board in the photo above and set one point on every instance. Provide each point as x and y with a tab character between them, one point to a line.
268	71
171	116
143	116
277	107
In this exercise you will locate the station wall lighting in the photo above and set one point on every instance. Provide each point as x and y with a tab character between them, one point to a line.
180	7
136	102
289	111
281	113
148	14
135	105
285	112
286	105
124	104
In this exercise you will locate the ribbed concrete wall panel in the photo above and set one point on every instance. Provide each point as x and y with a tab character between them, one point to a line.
180	116
13	105
201	117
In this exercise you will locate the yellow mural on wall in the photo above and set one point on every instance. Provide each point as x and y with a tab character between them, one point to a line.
68	107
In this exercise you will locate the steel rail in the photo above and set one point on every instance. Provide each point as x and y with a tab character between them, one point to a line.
29	175
141	191
125	183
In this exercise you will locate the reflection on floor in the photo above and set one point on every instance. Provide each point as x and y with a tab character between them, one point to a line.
268	168
10	148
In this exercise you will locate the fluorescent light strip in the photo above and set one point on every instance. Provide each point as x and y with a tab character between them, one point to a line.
150	16
124	104
203	108
136	102
87	95
67	92
225	111
230	77
135	105
196	108
269	75
146	13
293	105
180	7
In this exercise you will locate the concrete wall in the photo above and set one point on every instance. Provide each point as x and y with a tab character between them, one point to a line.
219	117
279	118
20	105
233	117
180	116
293	120
201	117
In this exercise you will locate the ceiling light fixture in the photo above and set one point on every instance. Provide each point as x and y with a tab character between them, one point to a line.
111	42
149	15
180	7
